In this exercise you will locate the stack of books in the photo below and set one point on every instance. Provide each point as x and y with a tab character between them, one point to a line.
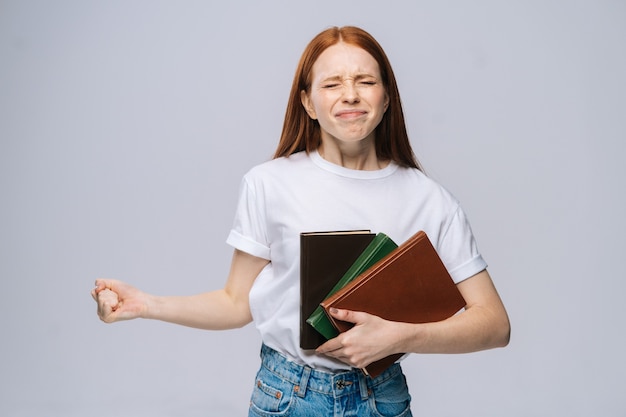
361	271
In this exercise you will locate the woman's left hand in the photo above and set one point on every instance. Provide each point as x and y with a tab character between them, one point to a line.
483	324
372	338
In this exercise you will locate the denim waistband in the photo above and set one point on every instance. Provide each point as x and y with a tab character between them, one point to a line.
334	383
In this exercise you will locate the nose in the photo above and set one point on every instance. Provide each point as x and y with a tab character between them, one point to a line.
350	93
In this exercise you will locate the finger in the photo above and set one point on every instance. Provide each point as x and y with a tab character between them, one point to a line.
107	313
94	294
336	351
347	315
329	346
109	297
108	303
333	345
102	284
104	310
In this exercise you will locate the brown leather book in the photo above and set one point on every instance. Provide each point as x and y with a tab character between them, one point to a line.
409	285
324	259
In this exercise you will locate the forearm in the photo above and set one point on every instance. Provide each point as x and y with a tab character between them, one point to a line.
215	310
472	330
221	309
484	324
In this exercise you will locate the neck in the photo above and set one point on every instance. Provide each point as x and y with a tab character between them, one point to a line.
360	155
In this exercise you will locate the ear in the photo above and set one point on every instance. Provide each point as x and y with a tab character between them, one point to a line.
308	106
386	101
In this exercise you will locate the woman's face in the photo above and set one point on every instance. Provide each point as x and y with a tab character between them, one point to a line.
347	95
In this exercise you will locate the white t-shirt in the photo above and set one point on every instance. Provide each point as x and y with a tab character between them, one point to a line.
284	197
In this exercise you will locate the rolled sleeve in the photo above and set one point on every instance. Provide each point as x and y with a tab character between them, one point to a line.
239	241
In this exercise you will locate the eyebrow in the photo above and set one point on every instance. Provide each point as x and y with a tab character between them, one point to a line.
357	77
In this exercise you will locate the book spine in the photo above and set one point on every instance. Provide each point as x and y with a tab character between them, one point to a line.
303	280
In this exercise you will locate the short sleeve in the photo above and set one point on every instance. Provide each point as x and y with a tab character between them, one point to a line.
458	250
249	231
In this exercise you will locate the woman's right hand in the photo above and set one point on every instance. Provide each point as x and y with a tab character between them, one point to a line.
118	301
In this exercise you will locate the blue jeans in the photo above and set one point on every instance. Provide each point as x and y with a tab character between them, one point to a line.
284	388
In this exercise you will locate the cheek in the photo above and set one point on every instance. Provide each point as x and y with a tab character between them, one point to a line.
321	103
384	102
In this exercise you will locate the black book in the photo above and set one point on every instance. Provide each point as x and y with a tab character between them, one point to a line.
324	259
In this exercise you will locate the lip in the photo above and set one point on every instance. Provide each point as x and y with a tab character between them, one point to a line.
350	114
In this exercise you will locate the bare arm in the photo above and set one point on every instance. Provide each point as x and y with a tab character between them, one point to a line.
483	325
216	310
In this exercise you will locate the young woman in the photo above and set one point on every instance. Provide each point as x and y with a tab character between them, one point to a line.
344	162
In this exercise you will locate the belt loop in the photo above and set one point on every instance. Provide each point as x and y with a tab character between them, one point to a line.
304	381
363	386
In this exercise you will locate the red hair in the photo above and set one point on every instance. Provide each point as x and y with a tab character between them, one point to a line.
301	133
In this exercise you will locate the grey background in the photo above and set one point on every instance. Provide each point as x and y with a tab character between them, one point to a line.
125	127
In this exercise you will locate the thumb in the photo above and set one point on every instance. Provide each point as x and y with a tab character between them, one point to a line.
108	302
350	316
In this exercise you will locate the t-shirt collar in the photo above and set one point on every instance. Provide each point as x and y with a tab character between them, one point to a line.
352	173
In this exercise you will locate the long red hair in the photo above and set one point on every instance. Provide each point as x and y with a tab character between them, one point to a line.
301	133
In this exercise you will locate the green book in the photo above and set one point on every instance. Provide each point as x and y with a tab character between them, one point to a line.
374	252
